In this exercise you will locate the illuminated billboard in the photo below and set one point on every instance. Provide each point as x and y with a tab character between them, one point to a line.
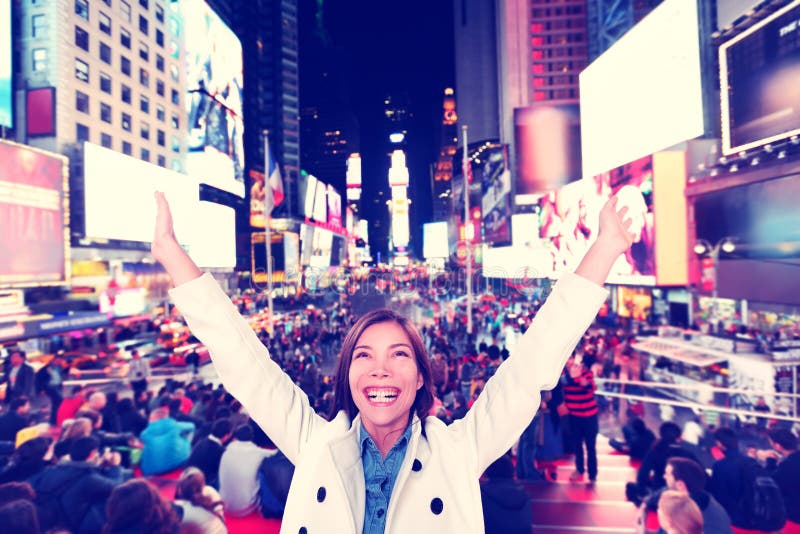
434	240
334	208
213	101
213	243
310	195
320	213
6	113
496	199
112	205
760	82
644	93
33	232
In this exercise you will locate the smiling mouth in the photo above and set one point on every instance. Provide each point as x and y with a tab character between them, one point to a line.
382	395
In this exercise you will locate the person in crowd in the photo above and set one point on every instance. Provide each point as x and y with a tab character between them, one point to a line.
107	439
727	483
787	475
383	391
15	491
507	507
50	380
549	444
137	507
138	373
193	361
167	443
579	388
274	480
439	371
96	401
679	514
761	406
201	505
28	459
185	403
19	377
638	438
70	406
70	431
72	494
688	477
15	419
650	477
130	419
238	472
110	413
207	452
19	517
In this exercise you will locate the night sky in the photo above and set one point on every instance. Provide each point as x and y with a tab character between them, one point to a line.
391	47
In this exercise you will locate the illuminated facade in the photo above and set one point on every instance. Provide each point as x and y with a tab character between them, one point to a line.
442	174
608	20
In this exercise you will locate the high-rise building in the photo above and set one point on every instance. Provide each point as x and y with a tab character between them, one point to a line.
476	58
608	20
442	175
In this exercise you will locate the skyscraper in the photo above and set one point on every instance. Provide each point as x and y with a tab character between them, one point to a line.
608	20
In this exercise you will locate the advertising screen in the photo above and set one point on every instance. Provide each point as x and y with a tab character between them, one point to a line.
306	243
569	217
33	235
257	191
310	194
213	243
6	114
548	147
118	196
496	199
291	254
434	240
321	245
760	82
334	208
321	203
644	93
213	101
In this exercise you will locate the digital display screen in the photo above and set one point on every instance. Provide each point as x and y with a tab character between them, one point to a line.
213	101
760	82
644	94
33	233
434	240
496	195
6	106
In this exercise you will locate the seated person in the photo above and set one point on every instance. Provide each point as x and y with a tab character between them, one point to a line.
167	443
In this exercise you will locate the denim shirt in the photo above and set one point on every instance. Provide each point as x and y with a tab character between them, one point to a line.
379	477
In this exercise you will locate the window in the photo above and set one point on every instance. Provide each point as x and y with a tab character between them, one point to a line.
160	115
160	38
176	123
127	149
175	96
159	13
81	132
125	38
107	2
160	62
105	53
39	59
82	8
144	130
161	138
105	83
125	65
160	87
162	161
125	9
126	93
144	104
176	144
144	77
145	154
81	70
126	122
145	3
105	23
38	26
81	38
174	73
105	113
143	25
144	51
82	102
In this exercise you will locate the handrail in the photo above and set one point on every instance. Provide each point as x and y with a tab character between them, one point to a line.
702	407
699	387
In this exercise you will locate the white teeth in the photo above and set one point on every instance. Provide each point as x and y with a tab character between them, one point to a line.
382	395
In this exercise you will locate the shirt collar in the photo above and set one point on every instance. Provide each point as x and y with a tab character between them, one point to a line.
364	438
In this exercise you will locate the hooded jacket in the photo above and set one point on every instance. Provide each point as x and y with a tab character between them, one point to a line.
167	445
437	487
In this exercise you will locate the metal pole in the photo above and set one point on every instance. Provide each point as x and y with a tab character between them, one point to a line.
715	259
467	229
268	231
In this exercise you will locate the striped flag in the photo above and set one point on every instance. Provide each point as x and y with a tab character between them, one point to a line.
274	193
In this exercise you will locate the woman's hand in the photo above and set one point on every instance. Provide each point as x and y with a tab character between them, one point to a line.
164	238
614	231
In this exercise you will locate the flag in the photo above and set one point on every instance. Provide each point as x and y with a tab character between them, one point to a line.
274	183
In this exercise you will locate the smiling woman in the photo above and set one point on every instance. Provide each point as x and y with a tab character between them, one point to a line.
381	464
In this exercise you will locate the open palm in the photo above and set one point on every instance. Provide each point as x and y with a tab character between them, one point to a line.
164	233
615	226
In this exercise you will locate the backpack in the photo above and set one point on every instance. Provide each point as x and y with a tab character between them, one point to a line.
761	501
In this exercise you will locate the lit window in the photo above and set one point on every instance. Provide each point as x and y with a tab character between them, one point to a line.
144	51
82	8
144	130
125	9
126	122
81	70
39	59
38	26
105	23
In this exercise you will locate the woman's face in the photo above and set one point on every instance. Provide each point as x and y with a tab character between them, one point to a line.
384	377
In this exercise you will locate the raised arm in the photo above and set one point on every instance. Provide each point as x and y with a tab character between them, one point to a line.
165	248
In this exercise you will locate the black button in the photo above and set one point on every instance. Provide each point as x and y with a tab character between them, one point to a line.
302	530
321	494
416	466
437	506
380	512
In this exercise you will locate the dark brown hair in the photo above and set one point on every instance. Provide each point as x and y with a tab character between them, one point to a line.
343	397
190	488
136	504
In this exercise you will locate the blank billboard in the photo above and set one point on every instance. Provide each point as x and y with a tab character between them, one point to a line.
6	107
644	93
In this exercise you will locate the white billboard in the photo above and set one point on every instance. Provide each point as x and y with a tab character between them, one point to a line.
118	196
213	242
434	240
5	64
644	93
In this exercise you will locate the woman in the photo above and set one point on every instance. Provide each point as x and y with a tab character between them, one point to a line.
380	465
136	507
202	506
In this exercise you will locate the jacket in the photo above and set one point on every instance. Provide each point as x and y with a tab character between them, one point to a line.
437	488
787	477
166	446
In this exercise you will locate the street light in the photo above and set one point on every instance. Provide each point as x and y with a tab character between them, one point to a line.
704	249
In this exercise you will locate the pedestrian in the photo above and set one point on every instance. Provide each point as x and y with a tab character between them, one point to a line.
20	377
579	388
138	373
379	464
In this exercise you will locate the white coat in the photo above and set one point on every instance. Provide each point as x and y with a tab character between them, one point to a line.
437	488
